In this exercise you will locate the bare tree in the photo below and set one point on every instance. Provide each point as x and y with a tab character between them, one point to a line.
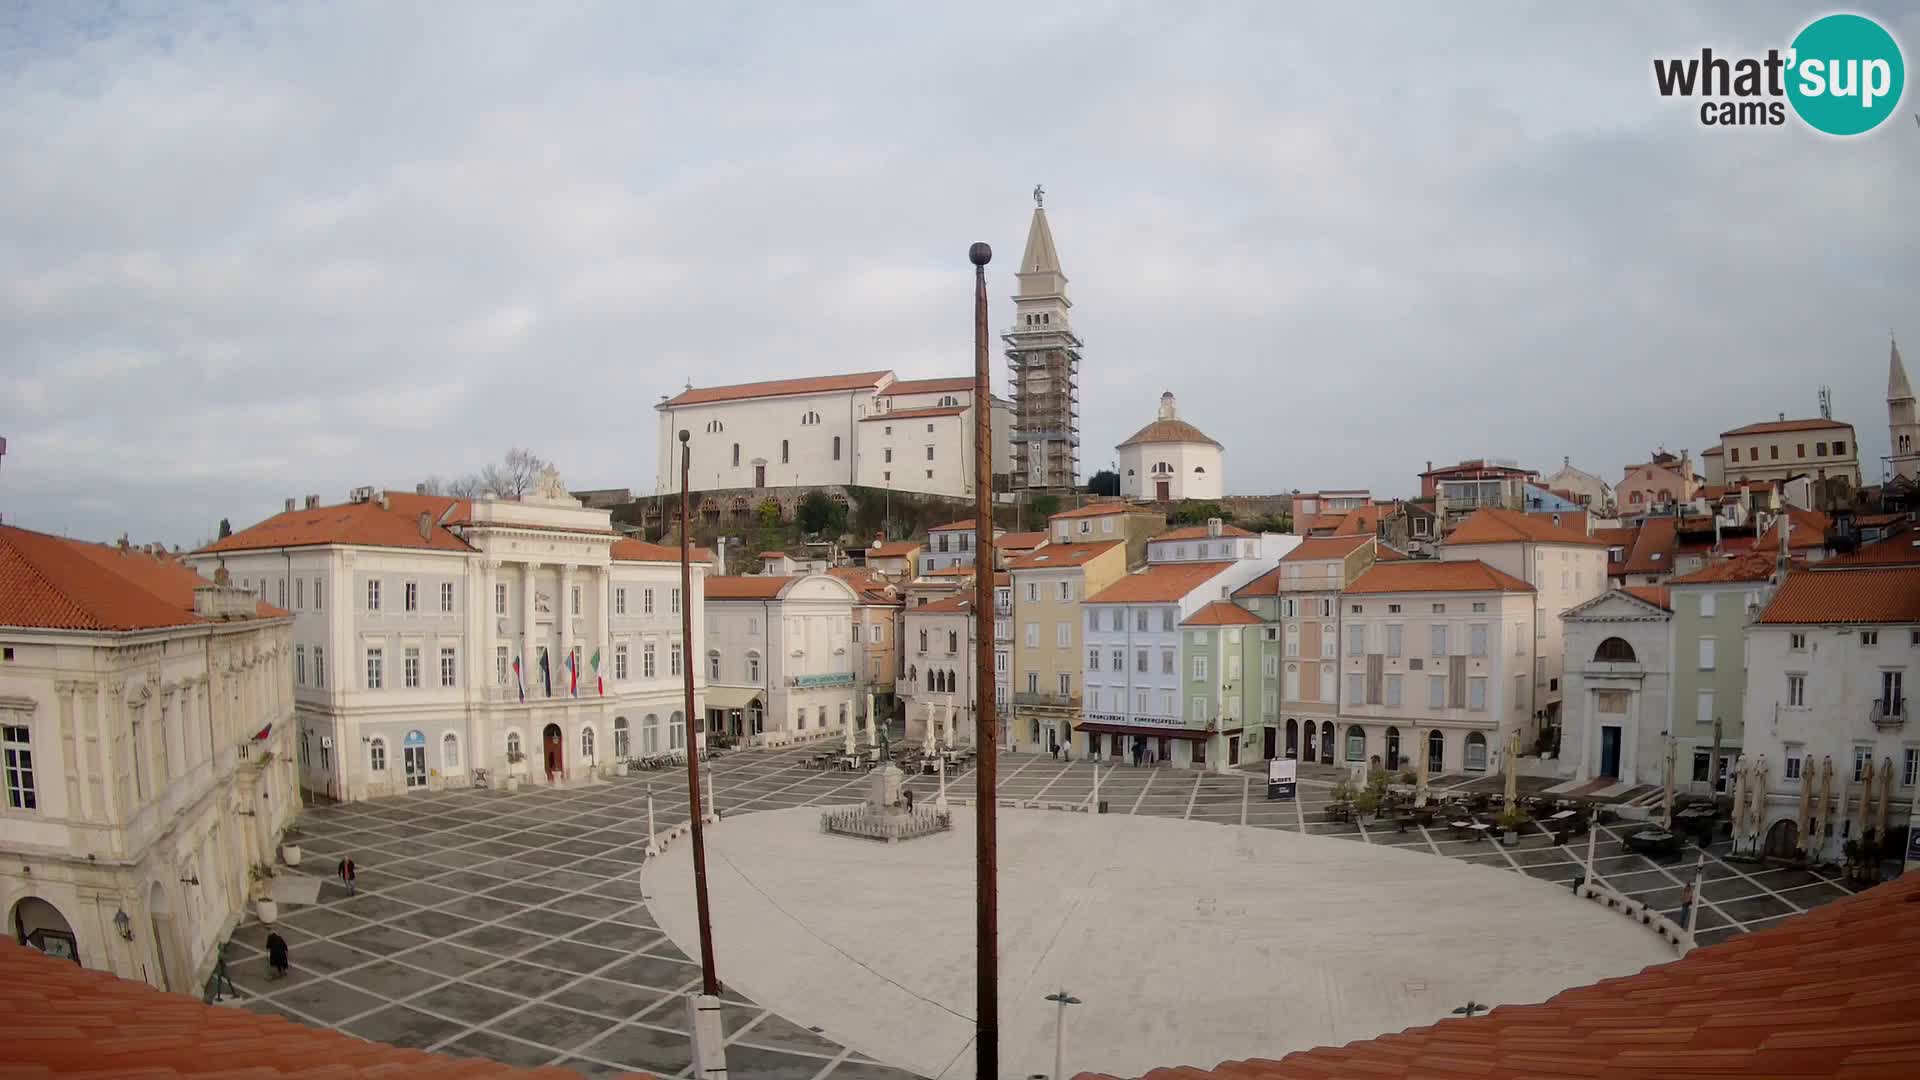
465	487
514	476
433	485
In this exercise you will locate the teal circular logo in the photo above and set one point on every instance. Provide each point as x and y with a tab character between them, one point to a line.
1845	74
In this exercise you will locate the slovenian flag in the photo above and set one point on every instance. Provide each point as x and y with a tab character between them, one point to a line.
573	674
599	681
517	680
546	673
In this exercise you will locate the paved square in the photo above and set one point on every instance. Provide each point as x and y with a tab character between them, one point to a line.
514	926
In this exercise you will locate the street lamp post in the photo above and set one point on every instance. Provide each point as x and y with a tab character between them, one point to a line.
986	874
1062	999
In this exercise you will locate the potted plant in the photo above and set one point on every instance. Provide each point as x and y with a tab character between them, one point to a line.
1368	803
620	766
261	886
516	767
290	841
1510	822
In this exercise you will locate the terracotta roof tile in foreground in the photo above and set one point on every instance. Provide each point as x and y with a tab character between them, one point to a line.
824	384
1809	530
1901	549
66	1020
1831	993
1059	556
1019	541
1159	583
1221	613
1653	547
1432	575
52	583
948	605
1495	526
1657	595
1267	584
1871	596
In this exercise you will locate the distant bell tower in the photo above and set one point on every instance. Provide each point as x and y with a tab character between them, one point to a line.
1903	426
1043	354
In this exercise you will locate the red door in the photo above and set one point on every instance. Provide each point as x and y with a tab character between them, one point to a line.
556	763
1162	490
759	476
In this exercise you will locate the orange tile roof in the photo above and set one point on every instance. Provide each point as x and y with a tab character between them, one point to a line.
1221	613
959	385
1360	521
950	571
1056	556
1267	584
1020	541
950	605
1159	583
1169	431
1199	532
644	551
66	1020
1712	451
1657	595
1325	547
1433	575
1389	553
1653	547
963	525
755	587
1618	537
1326	524
1830	993
824	384
1871	596
1809	531
916	414
1901	549
1571	520
1101	509
1752	566
1490	525
1772	426
361	524
52	583
897	549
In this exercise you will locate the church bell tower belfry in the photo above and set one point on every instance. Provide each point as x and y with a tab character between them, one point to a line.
1903	426
1043	354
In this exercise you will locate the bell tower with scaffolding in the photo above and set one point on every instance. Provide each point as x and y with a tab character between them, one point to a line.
1043	355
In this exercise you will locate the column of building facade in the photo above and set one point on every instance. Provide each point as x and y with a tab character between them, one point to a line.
529	663
74	741
564	618
603	629
487	640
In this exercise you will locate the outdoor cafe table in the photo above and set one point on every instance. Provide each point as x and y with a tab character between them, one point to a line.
1562	815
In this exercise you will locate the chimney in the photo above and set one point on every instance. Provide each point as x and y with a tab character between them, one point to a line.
382	499
123	542
426	525
1783	418
289	506
1213	527
419	489
313	502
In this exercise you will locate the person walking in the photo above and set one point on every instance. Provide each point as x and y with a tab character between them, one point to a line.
277	955
909	797
1686	902
347	874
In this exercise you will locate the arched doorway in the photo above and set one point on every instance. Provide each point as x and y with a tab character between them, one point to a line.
1293	738
160	918
555	750
40	925
1312	741
413	756
1436	753
1326	742
1783	840
1393	749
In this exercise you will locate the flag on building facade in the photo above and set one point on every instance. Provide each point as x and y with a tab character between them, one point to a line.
518	682
599	680
573	674
546	673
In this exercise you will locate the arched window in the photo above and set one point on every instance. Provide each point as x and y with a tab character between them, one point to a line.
450	751
713	665
836	448
753	667
1476	752
736	455
1615	651
714	427
953	641
586	742
650	734
621	742
513	745
923	640
1293	738
1356	743
377	755
676	731
1436	752
784	456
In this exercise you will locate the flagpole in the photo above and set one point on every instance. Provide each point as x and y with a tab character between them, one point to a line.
986	1050
709	980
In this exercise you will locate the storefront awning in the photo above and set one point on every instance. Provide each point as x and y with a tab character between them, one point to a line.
1148	730
732	697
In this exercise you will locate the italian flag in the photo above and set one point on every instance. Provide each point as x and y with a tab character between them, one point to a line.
598	680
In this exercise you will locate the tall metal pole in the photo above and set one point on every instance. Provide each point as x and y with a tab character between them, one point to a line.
986	1051
709	981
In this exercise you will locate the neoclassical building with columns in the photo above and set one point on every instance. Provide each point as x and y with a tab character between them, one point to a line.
145	715
432	637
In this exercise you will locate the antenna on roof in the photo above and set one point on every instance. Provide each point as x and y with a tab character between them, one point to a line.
1826	403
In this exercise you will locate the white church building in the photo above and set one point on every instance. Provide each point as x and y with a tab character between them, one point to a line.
1170	459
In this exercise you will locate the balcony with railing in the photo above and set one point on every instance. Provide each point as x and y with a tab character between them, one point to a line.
1046	698
1888	714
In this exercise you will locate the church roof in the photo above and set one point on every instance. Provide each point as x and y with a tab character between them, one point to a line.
1040	257
1170	431
823	384
1897	387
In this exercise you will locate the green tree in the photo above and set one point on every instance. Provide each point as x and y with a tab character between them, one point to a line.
1044	507
768	514
817	513
1197	513
1104	482
226	529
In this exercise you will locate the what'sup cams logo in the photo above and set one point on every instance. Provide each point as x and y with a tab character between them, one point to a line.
1842	75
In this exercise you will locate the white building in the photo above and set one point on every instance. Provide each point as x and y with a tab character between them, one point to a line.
1170	459
432	636
1434	652
867	428
1828	661
1587	489
1618	687
939	687
144	713
950	545
779	652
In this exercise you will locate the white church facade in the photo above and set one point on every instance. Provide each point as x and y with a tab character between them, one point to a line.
1170	460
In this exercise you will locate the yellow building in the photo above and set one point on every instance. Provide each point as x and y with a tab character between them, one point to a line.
1044	654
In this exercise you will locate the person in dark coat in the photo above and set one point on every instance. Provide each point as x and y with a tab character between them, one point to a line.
909	797
277	955
346	873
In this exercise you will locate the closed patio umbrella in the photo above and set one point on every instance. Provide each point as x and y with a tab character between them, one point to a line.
1739	800
1866	800
1886	793
1420	791
1839	817
1806	803
1824	815
1757	780
1513	769
1667	780
871	739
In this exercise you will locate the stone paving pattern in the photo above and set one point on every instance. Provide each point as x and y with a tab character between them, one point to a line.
513	927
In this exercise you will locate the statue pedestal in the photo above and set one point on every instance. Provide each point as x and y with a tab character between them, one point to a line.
884	816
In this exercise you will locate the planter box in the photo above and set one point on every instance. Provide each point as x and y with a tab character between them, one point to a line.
513	782
290	854
266	909
620	768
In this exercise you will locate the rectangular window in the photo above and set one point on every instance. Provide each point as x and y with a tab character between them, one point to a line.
1066	684
446	667
280	591
1033	592
1140	620
1794	758
1796	691
574	599
410	665
1702	761
1093	619
22	793
376	668
1393	640
1706	653
1910	766
1166	662
500	598
713	666
620	663
1118	620
1797	642
299	665
1033	635
648	665
412	596
1270	666
1477	637
673	660
500	664
1199	711
1357	639
446	596
1066	591
299	593
1703	710
646	601
1062	634
1706	605
1093	659
1439	639
1892	694
1479	607
1840	446
620	602
1033	682
1861	755
1199	668
1356	688
319	667
373	594
1477	694
1139	661
1329	641
673	606
1869	637
1393	690
1436	691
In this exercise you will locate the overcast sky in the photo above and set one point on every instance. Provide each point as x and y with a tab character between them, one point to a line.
250	252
